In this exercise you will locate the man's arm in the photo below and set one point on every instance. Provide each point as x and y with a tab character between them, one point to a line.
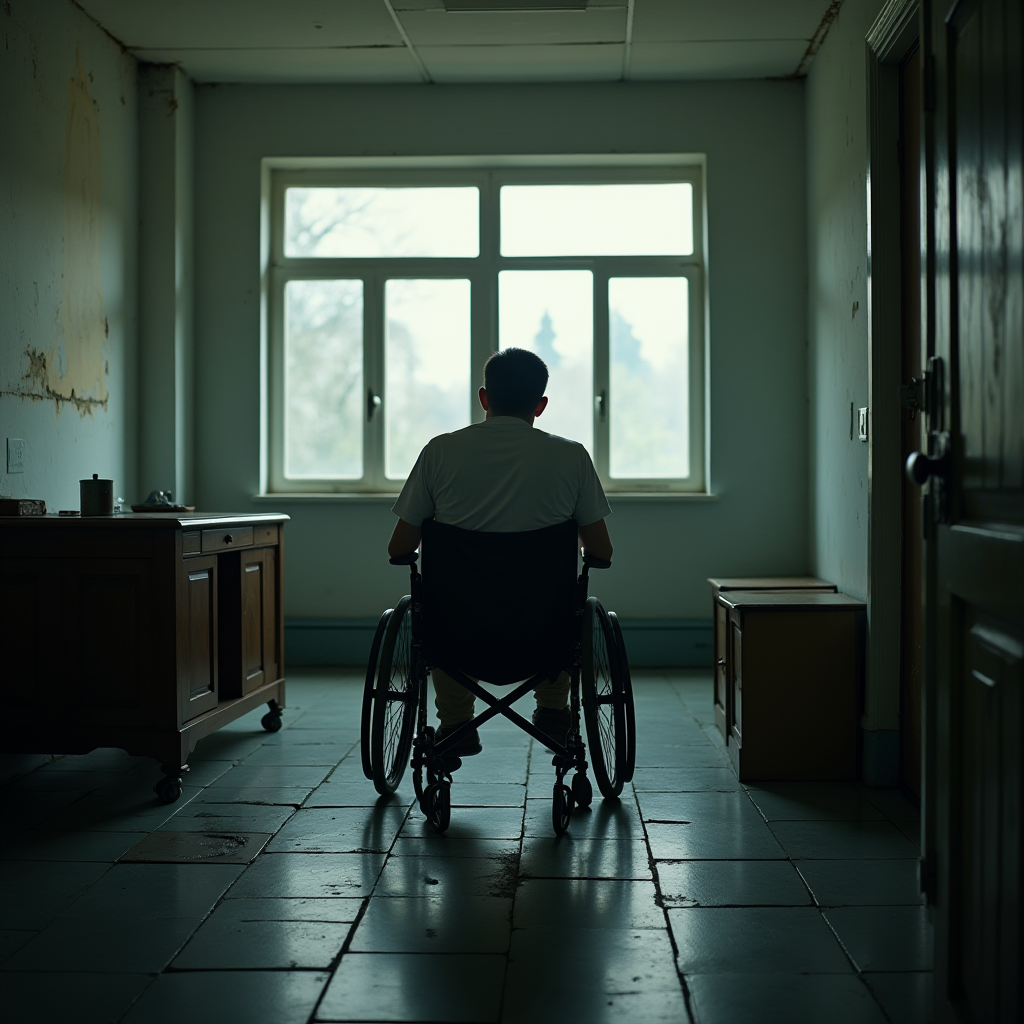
595	541
406	538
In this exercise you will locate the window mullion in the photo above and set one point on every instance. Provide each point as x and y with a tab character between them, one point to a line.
485	293
373	381
602	396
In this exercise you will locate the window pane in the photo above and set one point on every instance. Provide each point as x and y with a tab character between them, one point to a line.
551	312
649	377
597	220
426	367
369	222
323	382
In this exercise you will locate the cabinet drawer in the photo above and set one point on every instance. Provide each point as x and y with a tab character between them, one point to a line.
225	540
264	535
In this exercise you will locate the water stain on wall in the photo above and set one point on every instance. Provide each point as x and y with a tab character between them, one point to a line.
73	369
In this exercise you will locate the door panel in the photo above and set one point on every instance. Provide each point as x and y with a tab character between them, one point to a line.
975	545
197	640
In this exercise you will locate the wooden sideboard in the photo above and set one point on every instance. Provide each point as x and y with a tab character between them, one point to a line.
143	631
794	665
720	585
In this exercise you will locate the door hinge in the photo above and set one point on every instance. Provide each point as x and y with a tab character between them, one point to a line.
912	396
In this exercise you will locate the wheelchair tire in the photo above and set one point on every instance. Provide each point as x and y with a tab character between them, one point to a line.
394	702
437	805
561	808
582	790
603	695
366	714
627	686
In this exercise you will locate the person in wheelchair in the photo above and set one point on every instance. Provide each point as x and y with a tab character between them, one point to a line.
504	476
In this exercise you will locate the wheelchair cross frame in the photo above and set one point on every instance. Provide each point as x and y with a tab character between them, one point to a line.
430	756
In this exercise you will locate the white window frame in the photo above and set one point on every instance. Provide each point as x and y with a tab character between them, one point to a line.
482	272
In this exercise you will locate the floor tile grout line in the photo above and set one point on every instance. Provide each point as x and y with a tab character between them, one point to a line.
347	944
660	900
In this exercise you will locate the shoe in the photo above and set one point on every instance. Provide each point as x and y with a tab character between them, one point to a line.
466	747
554	723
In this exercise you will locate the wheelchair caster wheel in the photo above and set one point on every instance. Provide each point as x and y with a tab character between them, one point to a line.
561	808
582	790
271	721
437	805
168	790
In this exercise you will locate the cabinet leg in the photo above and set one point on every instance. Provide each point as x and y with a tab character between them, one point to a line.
168	789
271	721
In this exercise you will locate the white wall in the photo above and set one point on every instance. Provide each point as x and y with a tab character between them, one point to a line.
837	148
67	252
753	135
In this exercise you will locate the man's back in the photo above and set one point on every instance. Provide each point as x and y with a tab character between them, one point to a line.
502	476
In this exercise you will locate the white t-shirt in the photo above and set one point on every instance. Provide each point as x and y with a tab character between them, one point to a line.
502	476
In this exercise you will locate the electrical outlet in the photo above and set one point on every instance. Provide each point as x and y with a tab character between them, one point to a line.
15	455
862	423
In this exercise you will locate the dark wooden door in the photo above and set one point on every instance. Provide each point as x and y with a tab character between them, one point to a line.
911	435
974	588
259	618
197	636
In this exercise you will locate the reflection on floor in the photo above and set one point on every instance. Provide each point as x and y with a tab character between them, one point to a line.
694	898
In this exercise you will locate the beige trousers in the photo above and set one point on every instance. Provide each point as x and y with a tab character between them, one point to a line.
454	703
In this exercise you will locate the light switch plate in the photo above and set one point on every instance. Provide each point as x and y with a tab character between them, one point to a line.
15	455
862	423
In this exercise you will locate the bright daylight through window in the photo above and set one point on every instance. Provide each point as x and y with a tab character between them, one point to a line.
388	291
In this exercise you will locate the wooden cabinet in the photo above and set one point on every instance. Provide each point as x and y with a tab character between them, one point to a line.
141	631
793	672
721	616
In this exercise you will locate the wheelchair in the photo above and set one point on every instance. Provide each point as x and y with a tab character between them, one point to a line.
498	607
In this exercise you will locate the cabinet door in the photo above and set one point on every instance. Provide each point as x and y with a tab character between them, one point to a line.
110	667
30	612
259	617
735	663
197	637
721	679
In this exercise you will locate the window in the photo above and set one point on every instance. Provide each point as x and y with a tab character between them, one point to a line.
388	290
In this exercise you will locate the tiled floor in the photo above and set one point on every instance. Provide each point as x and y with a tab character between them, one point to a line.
693	899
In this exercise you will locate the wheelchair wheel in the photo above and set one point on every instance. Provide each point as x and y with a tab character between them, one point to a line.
582	790
627	687
561	808
394	702
437	805
368	687
603	695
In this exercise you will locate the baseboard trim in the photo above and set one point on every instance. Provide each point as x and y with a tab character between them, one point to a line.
650	643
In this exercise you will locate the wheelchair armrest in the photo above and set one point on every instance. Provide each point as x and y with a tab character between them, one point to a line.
593	562
409	559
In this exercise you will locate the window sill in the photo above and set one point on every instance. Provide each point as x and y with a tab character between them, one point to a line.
628	497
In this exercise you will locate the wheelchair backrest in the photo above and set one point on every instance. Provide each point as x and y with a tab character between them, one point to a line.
499	606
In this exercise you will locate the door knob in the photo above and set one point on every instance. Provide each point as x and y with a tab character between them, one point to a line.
921	467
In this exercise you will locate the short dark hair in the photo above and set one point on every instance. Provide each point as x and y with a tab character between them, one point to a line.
515	379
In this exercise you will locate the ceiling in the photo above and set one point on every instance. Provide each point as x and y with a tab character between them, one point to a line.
381	41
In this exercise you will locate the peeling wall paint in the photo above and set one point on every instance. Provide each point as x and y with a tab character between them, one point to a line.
74	365
68	251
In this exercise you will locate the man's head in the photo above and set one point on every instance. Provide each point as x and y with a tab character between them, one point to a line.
514	382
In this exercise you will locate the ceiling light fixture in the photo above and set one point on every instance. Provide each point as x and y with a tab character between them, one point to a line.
517	6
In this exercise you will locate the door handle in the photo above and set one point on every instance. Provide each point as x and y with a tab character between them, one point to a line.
921	467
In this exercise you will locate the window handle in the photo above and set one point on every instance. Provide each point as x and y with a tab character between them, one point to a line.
372	403
602	403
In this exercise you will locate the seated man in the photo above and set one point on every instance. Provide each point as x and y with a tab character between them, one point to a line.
504	476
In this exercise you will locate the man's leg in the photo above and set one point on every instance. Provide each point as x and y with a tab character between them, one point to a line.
454	705
552	714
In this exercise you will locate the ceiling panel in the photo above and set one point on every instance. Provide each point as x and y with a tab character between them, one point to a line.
762	59
584	63
662	21
233	24
438	28
372	64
